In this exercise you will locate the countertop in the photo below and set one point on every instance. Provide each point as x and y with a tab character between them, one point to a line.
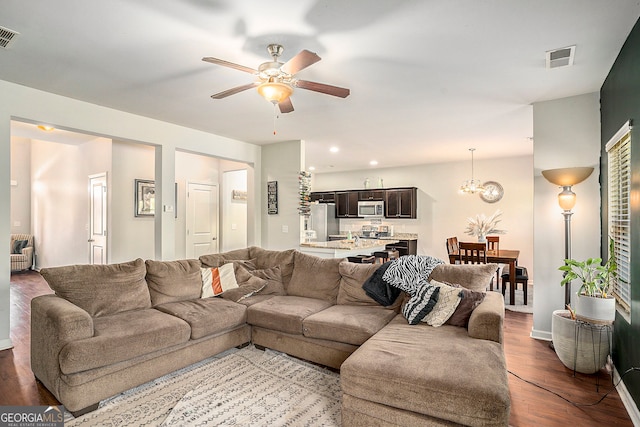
396	236
350	244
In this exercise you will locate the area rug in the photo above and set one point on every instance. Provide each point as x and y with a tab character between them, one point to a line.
519	300
247	387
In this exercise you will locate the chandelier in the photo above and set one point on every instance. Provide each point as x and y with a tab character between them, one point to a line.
472	185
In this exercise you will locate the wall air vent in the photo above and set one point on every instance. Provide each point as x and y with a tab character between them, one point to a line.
560	57
7	36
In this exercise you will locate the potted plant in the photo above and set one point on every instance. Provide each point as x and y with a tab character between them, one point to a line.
594	304
480	226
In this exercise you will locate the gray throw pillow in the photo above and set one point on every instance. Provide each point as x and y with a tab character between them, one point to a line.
18	246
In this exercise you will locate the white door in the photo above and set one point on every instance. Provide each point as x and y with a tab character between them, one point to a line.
98	219
202	219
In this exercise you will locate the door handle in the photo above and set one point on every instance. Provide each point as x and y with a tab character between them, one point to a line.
215	238
90	240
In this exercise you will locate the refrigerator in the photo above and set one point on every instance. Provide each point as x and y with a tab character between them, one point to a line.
323	221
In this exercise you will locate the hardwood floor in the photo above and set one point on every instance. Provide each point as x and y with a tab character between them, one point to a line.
530	359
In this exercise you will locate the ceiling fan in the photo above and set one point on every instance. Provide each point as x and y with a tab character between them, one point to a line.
277	80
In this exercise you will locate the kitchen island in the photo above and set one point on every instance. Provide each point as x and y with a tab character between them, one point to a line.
345	248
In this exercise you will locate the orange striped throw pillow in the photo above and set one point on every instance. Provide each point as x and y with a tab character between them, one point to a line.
217	280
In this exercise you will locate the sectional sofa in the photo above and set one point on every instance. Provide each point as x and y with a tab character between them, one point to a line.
109	328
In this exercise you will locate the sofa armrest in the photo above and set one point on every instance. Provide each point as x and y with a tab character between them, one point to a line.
487	319
54	322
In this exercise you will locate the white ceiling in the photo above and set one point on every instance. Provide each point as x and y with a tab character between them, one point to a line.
429	78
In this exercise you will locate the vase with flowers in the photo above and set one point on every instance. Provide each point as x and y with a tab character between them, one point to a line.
481	226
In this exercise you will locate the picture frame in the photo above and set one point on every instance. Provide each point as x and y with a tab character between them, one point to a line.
272	197
145	198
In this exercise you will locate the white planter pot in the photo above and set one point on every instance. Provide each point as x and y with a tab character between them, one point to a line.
579	346
596	310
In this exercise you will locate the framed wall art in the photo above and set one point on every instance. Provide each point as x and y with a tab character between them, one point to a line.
272	197
145	198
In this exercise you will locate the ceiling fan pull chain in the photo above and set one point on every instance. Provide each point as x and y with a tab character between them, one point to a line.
275	116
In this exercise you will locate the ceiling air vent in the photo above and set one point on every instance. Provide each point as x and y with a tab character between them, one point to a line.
6	37
560	57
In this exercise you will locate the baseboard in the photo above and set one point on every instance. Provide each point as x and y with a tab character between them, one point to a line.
6	344
540	335
627	400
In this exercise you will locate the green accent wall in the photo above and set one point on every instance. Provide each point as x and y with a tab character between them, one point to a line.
619	102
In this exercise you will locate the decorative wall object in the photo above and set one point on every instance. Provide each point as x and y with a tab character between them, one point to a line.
272	197
304	181
238	195
145	198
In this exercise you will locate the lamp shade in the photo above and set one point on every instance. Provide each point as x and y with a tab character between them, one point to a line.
567	198
275	92
567	176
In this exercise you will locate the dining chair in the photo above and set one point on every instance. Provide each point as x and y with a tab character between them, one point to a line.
493	247
452	247
473	253
522	277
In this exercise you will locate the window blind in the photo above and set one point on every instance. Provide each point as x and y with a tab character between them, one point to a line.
619	164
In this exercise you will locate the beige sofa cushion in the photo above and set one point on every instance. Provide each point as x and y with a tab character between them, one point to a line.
207	316
123	336
271	278
352	277
265	258
315	277
351	324
471	276
171	281
216	260
101	290
284	313
441	372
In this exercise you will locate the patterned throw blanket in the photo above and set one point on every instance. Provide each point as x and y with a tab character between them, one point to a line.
403	274
410	271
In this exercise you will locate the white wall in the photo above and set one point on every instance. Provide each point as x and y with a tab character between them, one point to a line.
282	162
234	212
21	189
566	134
442	211
130	237
60	198
34	106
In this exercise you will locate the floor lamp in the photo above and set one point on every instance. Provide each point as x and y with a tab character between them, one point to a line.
566	178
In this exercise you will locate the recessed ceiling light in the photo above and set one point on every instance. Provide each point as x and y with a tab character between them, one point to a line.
46	128
312	168
334	149
373	162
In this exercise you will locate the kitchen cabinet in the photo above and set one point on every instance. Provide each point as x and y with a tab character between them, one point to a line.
346	204
404	247
365	195
323	196
401	202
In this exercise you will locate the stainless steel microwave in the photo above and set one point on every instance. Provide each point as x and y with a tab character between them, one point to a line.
371	209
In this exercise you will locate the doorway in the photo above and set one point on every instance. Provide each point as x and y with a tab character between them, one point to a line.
201	220
98	219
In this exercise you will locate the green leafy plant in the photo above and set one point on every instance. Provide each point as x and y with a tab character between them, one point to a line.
596	278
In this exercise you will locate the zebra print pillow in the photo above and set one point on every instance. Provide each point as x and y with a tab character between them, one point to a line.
421	303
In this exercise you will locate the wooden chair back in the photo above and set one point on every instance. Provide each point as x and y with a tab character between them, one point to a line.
452	245
472	253
493	244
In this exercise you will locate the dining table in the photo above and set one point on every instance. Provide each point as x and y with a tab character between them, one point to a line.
501	256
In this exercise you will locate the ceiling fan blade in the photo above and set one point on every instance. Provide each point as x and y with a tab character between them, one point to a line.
299	62
323	88
229	64
286	106
233	91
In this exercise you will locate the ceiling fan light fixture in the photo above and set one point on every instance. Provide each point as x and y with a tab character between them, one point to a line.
275	92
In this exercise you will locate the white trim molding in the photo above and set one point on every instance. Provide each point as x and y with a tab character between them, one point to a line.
626	398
